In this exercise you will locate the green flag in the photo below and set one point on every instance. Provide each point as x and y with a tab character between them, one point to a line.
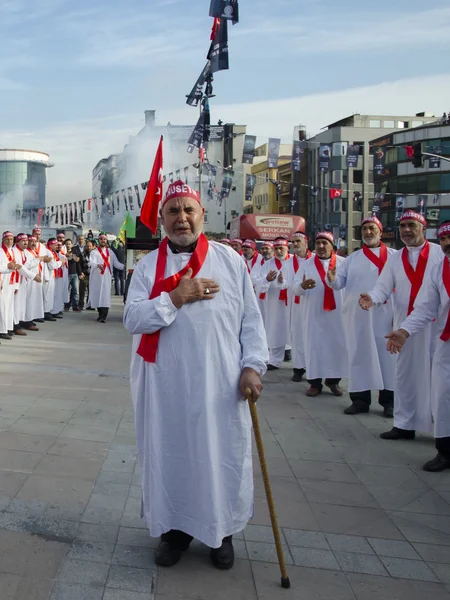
128	228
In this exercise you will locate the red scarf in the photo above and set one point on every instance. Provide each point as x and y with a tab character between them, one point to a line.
106	260
283	293
253	263
378	261
415	277
24	260
445	336
148	348
296	265
329	302
57	273
14	278
36	255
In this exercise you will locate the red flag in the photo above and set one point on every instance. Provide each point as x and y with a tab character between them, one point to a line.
153	195
335	193
40	213
409	151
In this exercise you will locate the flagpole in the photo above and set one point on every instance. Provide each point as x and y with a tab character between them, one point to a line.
199	158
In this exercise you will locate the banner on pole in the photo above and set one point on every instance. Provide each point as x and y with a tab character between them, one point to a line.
248	153
298	151
273	152
324	158
352	156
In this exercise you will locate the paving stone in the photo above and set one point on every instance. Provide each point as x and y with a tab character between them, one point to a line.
83	572
116	491
4	502
26	442
349	543
101	516
442	571
67	591
59	490
258	533
106	477
134	556
88	532
9	584
335	492
27	507
393	548
79	448
360	563
66	512
84	432
311	557
429	529
433	552
371	587
267	552
108	502
10	482
125	595
129	536
306	539
408	569
55	528
69	466
323	471
15	460
134	580
37	426
91	551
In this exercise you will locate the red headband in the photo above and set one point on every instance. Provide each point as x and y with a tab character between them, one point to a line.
444	230
225	241
281	243
236	241
374	220
102	237
37	230
21	236
7	234
180	189
249	244
51	242
410	215
268	244
325	235
32	237
298	235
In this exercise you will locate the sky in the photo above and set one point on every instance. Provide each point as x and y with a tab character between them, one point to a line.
75	78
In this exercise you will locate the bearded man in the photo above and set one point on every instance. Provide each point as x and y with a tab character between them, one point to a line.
25	276
236	244
102	261
405	273
198	343
371	367
253	259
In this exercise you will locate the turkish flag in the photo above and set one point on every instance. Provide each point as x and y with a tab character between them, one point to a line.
153	196
335	193
409	151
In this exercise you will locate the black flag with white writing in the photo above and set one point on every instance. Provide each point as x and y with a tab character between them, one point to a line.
196	137
218	51
196	93
225	9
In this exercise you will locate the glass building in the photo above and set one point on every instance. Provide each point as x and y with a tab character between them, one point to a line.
23	179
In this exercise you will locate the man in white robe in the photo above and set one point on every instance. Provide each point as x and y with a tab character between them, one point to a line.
10	277
52	274
236	244
203	343
324	336
301	253
102	261
20	293
62	250
273	292
35	297
266	254
405	272
433	302
253	259
61	281
371	367
42	251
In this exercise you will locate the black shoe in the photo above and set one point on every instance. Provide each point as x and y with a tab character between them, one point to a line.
388	412
287	355
49	318
39	320
298	374
89	308
356	408
272	368
223	557
102	320
439	463
58	316
5	336
172	544
398	434
11	333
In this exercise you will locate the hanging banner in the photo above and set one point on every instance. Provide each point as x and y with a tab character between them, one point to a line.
273	153
250	182
376	206
130	198
125	199
226	185
225	9
433	161
379	159
298	151
196	138
138	196
422	204
218	51
352	156
357	201
248	153
399	205
324	158
196	93
118	201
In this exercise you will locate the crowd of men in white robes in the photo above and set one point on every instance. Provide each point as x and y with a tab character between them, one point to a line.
34	280
353	317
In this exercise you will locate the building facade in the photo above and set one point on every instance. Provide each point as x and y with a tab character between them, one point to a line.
399	185
343	215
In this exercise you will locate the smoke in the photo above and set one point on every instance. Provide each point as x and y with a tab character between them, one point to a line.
10	205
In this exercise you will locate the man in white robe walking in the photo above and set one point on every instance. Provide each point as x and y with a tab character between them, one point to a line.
371	367
52	274
35	297
266	254
324	337
433	302
102	262
25	277
273	292
44	253
405	272
253	259
198	343
10	278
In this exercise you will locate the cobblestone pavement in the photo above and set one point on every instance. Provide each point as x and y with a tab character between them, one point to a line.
360	519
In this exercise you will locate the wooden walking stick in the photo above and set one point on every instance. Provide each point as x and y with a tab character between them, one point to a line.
285	583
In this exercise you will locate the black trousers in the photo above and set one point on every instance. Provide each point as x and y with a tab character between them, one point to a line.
119	281
102	312
385	398
443	446
317	383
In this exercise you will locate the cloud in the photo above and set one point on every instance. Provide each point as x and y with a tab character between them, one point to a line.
7	85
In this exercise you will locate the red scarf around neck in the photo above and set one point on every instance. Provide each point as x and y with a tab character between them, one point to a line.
35	253
58	272
415	277
329	301
253	262
283	293
296	266
106	260
445	335
378	261
148	347
14	277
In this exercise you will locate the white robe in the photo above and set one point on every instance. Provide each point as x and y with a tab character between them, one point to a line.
296	318
193	428
49	284
371	367
64	289
60	286
6	295
412	408
20	293
100	285
35	297
276	313
433	302
324	336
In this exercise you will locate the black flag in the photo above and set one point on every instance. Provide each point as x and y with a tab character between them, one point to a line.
196	137
226	184
197	91
218	51
138	196
225	9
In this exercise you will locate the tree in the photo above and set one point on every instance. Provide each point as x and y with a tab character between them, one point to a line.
107	182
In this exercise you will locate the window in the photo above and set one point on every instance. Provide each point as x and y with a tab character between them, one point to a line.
445	181
375	123
389	124
403	124
371	176
357	176
361	147
391	156
339	149
336	177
